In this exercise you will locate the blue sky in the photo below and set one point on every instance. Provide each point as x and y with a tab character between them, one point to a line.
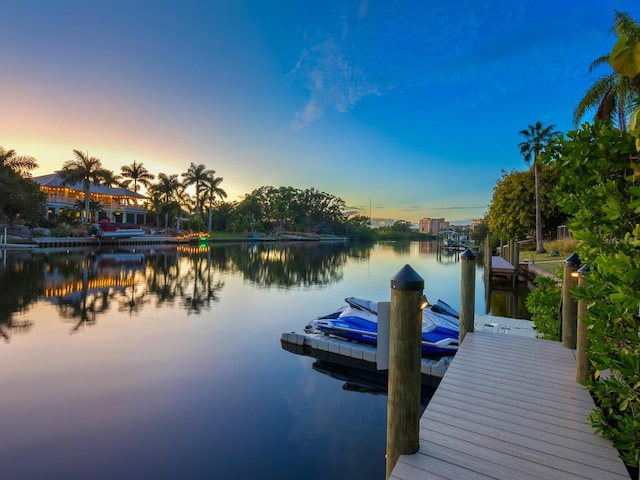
412	107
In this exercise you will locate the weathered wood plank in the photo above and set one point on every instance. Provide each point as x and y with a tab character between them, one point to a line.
509	407
500	265
508	421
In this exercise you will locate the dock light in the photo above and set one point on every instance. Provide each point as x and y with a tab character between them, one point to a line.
424	303
574	274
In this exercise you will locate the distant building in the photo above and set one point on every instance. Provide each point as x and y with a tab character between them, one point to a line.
433	225
119	205
476	223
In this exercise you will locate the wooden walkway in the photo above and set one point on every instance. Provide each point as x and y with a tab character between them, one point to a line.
509	408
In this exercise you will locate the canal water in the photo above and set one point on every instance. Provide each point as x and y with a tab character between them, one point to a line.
166	363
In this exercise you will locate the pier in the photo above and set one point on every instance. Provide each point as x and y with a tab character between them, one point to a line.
501	268
509	407
366	356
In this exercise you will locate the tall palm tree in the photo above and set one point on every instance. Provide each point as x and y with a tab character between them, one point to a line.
211	192
167	189
136	173
85	169
613	95
19	163
536	138
197	175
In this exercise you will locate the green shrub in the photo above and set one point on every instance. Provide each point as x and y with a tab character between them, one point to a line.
543	303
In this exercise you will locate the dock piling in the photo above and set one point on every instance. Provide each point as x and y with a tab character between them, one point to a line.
405	331
467	293
582	342
569	305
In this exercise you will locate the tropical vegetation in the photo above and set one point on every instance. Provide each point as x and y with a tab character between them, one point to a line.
536	137
86	170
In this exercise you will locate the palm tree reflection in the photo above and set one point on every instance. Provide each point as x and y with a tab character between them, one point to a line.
83	287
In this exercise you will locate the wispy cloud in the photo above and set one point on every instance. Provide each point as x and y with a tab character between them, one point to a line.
456	207
334	78
413	208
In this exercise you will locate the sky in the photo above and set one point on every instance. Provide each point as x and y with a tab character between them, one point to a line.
404	109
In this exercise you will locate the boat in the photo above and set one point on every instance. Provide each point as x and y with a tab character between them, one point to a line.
118	258
107	229
358	321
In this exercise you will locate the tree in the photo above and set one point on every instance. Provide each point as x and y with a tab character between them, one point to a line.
602	196
167	190
536	137
512	210
20	197
625	60
85	169
136	173
95	209
613	95
212	190
21	164
197	175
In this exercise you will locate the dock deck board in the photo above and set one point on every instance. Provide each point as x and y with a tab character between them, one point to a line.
500	265
509	407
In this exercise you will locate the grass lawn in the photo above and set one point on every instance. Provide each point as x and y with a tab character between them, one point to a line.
557	252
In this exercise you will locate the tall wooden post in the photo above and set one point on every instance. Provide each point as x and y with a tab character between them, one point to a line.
582	342
467	293
405	332
569	305
515	261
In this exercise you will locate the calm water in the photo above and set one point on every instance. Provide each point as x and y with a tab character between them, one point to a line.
170	365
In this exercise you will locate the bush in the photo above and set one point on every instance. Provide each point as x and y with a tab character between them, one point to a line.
543	304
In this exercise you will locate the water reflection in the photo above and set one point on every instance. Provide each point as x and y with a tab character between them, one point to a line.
85	284
300	264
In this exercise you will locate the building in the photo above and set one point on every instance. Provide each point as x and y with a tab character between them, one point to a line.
119	205
476	223
433	225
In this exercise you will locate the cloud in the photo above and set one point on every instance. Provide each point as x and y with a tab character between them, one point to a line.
333	78
456	208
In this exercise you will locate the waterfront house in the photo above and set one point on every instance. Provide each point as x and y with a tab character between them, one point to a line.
119	205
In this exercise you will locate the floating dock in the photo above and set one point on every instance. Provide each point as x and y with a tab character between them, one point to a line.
501	268
316	345
509	407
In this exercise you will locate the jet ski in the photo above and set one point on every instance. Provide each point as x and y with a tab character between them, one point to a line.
358	321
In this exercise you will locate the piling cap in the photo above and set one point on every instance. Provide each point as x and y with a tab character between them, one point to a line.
573	260
407	279
584	268
468	255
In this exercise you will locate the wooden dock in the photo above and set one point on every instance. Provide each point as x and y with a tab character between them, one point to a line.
500	267
509	408
317	344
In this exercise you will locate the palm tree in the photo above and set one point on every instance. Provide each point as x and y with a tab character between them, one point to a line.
197	175
85	169
166	188
211	191
19	163
536	138
137	174
614	95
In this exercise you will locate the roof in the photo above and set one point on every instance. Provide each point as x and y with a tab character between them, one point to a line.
55	180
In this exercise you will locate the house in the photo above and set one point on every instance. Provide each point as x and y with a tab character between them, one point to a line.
119	205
